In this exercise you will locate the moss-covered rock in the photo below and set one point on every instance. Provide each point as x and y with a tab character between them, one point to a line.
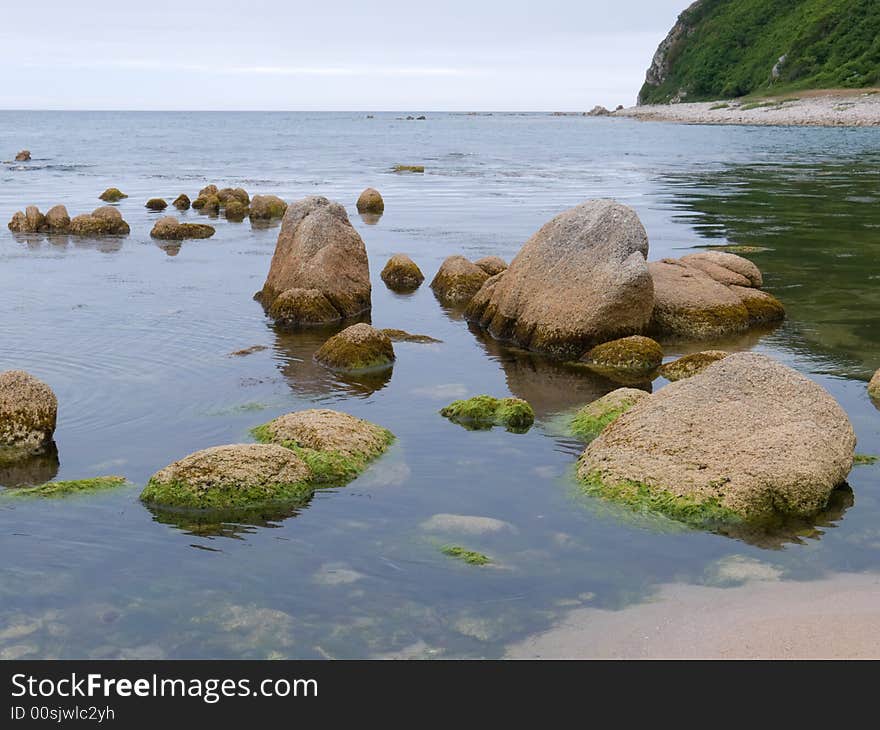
336	446
359	347
75	486
235	210
492	265
57	220
182	202
156	204
30	221
402	274
103	221
240	476
208	191
207	204
690	365
471	557
482	412
590	420
409	168
28	413
403	336
302	308
635	354
228	195
370	201
112	195
267	207
458	280
171	229
762	307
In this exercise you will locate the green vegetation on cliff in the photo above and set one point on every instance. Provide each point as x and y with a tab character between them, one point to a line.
731	48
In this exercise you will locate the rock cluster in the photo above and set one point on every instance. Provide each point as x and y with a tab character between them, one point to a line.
103	221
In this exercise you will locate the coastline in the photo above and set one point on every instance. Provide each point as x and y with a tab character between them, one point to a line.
763	618
832	108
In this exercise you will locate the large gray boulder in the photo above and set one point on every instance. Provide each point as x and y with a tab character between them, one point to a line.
748	438
318	249
580	280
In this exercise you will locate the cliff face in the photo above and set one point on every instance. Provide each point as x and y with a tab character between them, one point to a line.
729	48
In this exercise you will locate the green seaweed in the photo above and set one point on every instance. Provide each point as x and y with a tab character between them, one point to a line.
468	556
179	495
587	425
863	459
74	486
482	412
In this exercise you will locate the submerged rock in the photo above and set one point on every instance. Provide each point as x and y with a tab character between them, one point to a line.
240	476
690	365
483	411
458	280
370	201
319	249
402	274
156	204
409	168
112	195
492	264
336	446
207	204
28	413
23	156
403	336
75	486
235	210
582	279
747	439
266	207
635	354
590	420
171	229
208	191
103	221
359	347
466	524
182	202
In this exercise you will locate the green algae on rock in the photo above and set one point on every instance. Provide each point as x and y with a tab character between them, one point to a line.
482	412
690	365
298	307
112	195
403	336
102	221
28	413
238	476
73	486
156	204
171	229
471	557
266	207
182	202
457	280
336	446
235	211
359	347
370	201
408	168
402	274
590	420
865	459
634	354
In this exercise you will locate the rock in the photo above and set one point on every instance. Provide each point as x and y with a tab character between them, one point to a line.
762	307
28	412
156	204
235	210
102	221
182	202
748	439
57	220
359	347
598	111
23	156
171	229
266	207
458	280
466	524
874	386
402	274
241	476
336	446
31	221
482	412
590	420
633	354
226	195
370	201
208	191
74	486
580	280
319	249
409	168
690	365
112	195
208	204
302	308
725	268
404	336
491	264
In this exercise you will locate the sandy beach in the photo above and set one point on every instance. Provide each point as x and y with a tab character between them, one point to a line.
843	108
764	618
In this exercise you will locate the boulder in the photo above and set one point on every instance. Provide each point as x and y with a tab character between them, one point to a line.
598	111
633	354
402	274
874	386
302	308
266	207
458	280
235	210
102	221
590	420
182	202
336	446
112	195
57	220
370	201
582	279
227	195
725	268
31	221
156	204
208	191
171	229
492	264
23	156
748	439
28	412
483	411
207	204
690	365
359	347
240	476
319	249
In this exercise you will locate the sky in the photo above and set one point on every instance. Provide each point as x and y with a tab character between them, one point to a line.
547	55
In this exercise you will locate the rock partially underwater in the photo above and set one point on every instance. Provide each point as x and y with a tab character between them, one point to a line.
28	414
482	412
359	347
690	365
266	207
112	195
171	229
401	274
636	357
370	201
592	419
458	280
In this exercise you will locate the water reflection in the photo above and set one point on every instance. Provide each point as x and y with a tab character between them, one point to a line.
236	524
31	470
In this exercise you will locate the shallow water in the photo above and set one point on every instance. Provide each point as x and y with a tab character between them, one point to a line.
135	338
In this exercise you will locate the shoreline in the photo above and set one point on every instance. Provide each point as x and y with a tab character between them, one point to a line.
835	617
833	108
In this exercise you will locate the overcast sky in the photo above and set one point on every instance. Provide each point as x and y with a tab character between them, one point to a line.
334	55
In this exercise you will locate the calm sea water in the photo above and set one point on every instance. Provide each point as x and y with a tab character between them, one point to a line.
134	337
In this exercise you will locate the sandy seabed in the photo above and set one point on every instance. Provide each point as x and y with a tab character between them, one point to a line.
764	618
844	108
